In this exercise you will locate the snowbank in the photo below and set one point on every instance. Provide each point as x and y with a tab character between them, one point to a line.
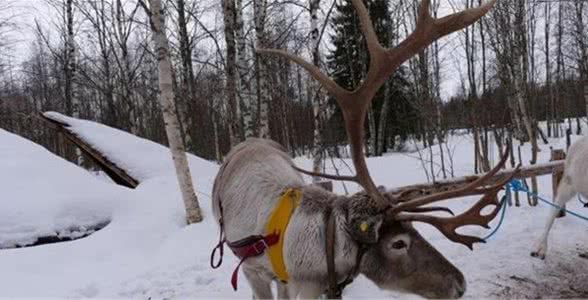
43	195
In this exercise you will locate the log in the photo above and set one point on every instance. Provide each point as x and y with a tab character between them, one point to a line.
408	192
117	174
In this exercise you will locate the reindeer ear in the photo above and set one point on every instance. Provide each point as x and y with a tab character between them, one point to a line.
366	229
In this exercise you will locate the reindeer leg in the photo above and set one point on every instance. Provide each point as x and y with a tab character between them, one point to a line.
565	192
260	284
304	290
282	290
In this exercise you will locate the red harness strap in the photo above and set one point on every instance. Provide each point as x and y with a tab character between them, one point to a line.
248	247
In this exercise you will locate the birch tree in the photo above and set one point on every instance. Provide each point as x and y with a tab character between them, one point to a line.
168	107
316	95
187	71
260	11
230	70
244	86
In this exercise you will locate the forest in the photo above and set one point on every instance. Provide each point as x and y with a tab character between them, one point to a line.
524	63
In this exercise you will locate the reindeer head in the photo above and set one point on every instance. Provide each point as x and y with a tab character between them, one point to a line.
403	260
399	258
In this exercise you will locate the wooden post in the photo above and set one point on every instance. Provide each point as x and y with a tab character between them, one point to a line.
557	154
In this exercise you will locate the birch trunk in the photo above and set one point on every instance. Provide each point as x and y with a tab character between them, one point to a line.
547	18
71	104
244	88
188	72
70	74
193	213
383	121
230	69
317	153
259	10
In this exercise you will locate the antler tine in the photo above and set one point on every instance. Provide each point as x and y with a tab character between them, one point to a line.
462	19
429	29
367	28
327	176
473	216
467	190
334	89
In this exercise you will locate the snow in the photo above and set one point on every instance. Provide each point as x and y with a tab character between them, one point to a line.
141	158
147	251
43	194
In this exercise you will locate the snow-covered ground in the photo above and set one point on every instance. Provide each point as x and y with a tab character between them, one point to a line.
147	251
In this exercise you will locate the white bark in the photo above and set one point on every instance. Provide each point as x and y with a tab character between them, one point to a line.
244	87
317	153
170	118
230	69
259	10
70	74
383	121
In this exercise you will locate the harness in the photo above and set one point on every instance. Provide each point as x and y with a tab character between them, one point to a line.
273	240
335	289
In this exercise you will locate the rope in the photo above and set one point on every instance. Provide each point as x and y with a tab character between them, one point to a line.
503	203
517	186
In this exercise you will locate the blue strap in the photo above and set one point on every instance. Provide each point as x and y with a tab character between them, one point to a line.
517	186
504	204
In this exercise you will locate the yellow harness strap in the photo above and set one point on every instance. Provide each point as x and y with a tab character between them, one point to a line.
277	223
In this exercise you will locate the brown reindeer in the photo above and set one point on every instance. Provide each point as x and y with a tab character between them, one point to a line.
329	239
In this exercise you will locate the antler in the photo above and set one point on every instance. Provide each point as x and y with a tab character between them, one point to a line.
473	216
467	190
383	63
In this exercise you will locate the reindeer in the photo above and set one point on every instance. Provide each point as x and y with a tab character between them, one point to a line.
329	239
574	181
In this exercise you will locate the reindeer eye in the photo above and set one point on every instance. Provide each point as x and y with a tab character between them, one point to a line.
400	244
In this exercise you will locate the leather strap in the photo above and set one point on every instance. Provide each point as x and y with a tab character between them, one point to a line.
333	292
335	289
251	246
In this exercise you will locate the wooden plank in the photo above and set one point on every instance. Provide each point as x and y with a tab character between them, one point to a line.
117	174
411	191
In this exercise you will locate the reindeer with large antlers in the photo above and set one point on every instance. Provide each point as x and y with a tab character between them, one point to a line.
324	239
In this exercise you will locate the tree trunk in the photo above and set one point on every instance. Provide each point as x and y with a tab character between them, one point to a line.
259	10
188	72
243	71
172	129
383	121
71	99
230	69
372	143
586	95
547	19
317	95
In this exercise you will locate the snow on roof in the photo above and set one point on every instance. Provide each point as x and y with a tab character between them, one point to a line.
43	194
141	158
